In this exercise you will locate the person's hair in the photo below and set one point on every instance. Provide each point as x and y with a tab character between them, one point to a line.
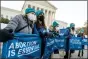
25	16
38	24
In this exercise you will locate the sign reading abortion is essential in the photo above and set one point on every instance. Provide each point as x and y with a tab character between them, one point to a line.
22	46
75	43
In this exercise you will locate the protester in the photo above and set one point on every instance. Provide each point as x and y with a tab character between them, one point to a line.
54	29
71	32
20	23
41	28
81	34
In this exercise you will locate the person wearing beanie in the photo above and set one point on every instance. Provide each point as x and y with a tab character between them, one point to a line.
41	28
54	29
19	23
81	34
55	24
71	32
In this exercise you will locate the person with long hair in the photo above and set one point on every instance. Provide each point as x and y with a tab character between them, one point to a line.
40	28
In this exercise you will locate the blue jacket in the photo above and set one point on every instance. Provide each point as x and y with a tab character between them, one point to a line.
40	31
68	34
35	31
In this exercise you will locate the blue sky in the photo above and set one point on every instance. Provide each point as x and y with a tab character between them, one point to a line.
68	11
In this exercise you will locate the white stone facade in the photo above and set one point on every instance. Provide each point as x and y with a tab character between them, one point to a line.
48	9
9	13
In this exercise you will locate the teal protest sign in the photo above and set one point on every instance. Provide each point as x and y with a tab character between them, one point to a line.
75	43
49	47
22	46
63	32
60	42
53	44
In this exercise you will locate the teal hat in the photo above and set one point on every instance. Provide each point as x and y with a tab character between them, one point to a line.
72	25
39	12
55	23
28	10
81	30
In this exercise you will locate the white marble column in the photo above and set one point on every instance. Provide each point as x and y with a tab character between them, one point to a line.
51	18
54	15
46	18
35	8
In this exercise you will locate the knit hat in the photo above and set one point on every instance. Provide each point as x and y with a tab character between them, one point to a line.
55	23
39	12
28	10
72	25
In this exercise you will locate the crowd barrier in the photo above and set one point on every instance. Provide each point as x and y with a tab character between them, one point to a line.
29	45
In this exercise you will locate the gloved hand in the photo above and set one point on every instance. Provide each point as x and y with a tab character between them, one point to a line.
6	35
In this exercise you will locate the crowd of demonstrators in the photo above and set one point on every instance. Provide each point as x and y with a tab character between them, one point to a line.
30	23
70	33
33	23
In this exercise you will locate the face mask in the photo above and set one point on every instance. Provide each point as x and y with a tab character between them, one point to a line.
41	18
57	28
40	22
31	17
73	28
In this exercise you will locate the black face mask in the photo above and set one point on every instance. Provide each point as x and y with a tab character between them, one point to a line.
73	28
41	18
